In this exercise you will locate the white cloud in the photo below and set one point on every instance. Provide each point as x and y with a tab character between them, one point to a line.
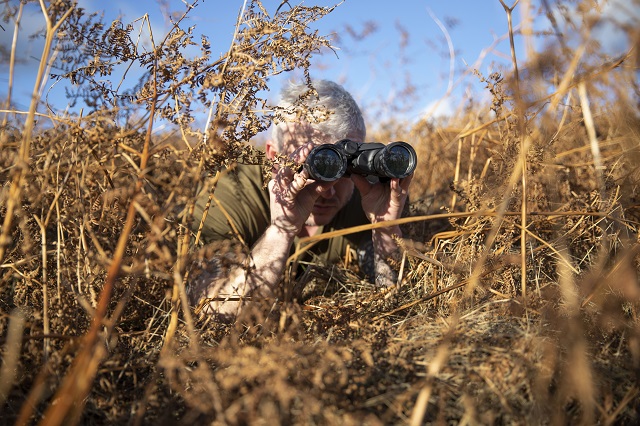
612	18
440	108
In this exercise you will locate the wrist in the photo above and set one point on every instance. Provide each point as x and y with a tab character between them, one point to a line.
280	234
268	258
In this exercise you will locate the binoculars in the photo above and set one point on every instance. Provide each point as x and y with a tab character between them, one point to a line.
329	162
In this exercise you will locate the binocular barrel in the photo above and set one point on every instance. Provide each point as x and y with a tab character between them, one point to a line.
329	162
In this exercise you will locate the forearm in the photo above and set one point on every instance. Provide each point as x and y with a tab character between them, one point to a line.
383	203
385	248
384	242
227	292
268	260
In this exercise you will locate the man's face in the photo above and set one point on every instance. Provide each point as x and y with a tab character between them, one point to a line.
333	199
330	202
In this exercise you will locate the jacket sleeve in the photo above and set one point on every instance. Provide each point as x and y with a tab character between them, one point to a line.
240	195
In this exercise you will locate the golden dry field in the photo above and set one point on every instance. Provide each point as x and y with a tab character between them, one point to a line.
518	295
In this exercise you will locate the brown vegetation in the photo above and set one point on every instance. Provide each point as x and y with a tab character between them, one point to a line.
518	299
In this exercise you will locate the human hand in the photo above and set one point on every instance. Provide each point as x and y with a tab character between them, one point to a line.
381	201
293	195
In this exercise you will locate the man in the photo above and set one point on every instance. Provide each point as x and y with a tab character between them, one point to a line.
294	206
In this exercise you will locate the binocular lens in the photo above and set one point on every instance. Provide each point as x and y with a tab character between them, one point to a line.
326	163
399	161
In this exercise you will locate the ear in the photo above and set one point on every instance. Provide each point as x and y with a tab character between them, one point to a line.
270	149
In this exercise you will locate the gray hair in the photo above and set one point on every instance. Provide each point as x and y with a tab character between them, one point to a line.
345	117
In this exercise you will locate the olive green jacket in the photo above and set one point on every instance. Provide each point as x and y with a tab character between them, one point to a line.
243	195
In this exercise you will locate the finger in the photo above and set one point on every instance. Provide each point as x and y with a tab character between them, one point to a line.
281	187
400	187
277	190
363	185
275	186
284	176
301	154
405	182
298	182
394	184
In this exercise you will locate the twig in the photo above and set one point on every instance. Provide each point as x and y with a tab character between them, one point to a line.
224	67
11	353
591	132
306	243
15	191
456	174
452	61
45	292
12	63
77	383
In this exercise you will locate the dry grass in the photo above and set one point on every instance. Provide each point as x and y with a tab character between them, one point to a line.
518	300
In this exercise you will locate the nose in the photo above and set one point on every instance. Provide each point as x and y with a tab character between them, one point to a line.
328	193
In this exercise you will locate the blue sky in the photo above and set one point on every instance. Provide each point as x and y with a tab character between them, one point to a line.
376	69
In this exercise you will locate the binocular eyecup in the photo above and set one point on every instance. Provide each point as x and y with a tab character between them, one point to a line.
329	162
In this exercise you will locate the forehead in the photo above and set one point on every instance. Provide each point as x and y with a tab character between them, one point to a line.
296	134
